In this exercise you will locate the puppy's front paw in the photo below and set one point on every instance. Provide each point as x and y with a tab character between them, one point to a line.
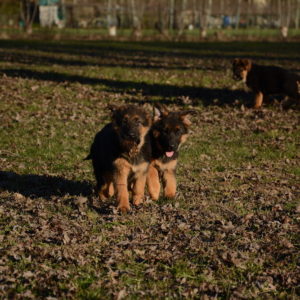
170	195
124	208
137	200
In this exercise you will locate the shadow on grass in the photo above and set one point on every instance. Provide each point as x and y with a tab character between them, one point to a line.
201	50
106	61
145	55
199	95
44	186
35	186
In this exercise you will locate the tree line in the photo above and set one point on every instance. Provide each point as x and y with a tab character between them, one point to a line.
165	15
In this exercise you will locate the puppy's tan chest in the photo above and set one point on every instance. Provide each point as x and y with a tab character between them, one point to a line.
140	168
171	165
121	164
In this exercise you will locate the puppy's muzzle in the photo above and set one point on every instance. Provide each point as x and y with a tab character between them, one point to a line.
133	137
172	147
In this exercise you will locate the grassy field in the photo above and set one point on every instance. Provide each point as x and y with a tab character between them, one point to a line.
231	233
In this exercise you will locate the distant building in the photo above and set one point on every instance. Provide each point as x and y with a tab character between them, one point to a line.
51	13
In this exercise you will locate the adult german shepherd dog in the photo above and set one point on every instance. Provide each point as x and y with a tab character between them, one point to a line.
121	153
265	80
168	132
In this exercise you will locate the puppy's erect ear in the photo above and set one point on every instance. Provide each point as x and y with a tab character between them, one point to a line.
156	114
159	111
247	63
114	113
185	116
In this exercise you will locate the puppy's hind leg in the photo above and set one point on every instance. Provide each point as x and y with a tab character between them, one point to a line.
104	188
108	188
101	189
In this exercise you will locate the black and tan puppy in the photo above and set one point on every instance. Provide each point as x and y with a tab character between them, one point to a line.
168	132
265	80
121	154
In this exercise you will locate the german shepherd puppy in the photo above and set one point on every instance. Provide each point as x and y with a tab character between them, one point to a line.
265	80
121	153
168	132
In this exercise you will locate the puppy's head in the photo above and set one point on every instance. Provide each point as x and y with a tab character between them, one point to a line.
170	129
131	124
240	68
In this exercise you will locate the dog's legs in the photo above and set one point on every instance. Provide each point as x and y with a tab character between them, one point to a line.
111	190
139	188
293	96
287	102
139	182
101	182
258	100
100	187
169	181
120	180
108	188
102	192
104	187
153	182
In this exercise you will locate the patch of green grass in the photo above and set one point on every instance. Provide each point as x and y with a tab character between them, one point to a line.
182	270
85	282
94	293
295	171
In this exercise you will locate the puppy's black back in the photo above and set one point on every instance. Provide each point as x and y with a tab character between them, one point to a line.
105	148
